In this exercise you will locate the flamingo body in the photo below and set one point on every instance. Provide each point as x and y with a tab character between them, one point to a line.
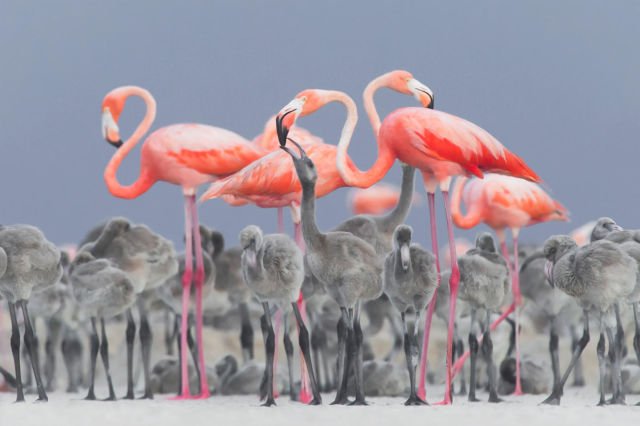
506	202
190	155
444	145
272	181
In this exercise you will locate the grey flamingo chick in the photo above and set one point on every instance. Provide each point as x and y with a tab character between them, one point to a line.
273	269
484	283
149	260
629	241
598	276
28	264
378	231
410	280
102	291
550	310
229	281
348	267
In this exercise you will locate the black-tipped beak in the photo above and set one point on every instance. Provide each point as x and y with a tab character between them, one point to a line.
433	101
117	144
283	131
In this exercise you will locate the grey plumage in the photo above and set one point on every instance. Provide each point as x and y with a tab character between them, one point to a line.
410	277
484	283
598	275
29	264
100	288
148	258
549	309
347	266
410	280
272	266
273	269
484	276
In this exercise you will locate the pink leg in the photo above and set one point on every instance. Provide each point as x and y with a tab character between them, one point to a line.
458	365
297	236
504	249
186	295
199	282
517	300
422	392
453	296
280	220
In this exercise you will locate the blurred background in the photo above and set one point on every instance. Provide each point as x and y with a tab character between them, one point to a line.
556	82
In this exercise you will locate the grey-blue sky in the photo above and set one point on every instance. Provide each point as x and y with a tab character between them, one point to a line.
557	82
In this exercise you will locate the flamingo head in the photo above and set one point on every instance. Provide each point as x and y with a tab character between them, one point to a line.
603	227
112	107
305	168
554	248
250	241
305	103
402	243
403	82
217	241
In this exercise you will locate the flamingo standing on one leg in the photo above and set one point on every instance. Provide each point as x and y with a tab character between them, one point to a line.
440	145
505	202
187	155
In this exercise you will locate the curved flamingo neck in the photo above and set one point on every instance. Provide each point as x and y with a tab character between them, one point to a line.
369	104
400	212
351	175
474	214
145	180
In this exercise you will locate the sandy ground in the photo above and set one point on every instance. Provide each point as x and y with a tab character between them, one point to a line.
578	407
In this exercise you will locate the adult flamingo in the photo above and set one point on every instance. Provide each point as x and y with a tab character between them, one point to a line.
504	202
187	155
440	145
272	181
375	200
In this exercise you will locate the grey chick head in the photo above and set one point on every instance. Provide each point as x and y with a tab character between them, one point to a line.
485	242
603	227
402	241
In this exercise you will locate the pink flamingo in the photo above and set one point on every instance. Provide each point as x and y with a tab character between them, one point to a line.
375	200
187	155
505	202
440	145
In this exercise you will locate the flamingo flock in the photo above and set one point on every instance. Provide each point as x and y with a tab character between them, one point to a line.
365	269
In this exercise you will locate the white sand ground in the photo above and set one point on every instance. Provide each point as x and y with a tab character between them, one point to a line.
578	408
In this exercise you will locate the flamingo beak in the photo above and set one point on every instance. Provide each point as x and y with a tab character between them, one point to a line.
251	257
614	227
548	272
422	93
405	256
286	118
110	130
